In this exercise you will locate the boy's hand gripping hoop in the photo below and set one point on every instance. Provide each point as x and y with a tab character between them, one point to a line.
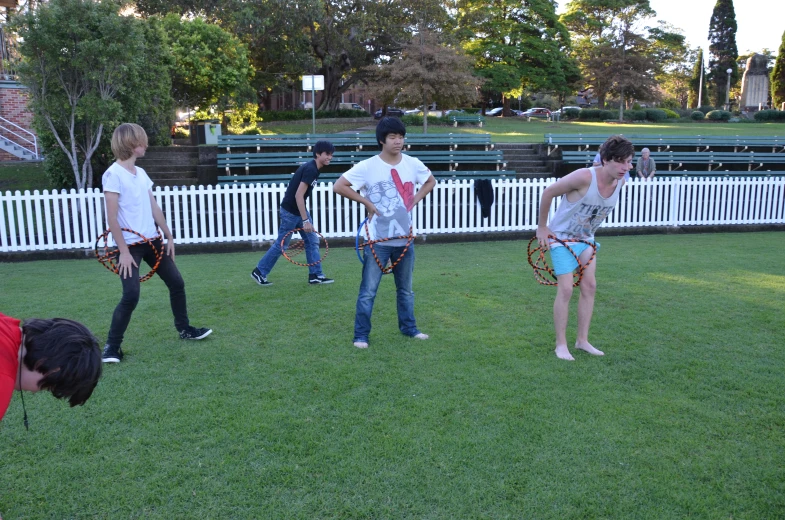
108	255
540	265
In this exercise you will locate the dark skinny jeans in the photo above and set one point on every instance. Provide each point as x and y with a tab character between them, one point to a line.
168	272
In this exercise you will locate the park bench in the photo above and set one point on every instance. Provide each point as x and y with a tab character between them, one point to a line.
661	143
466	118
248	180
293	159
676	160
355	141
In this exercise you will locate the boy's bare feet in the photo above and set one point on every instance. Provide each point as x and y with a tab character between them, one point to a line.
562	352
586	347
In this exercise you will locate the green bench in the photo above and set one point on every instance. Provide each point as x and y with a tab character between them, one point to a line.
248	180
675	160
466	118
354	141
292	159
661	143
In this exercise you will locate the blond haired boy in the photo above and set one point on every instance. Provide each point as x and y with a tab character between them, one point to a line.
130	204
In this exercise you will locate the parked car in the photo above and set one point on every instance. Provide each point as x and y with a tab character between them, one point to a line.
537	112
391	111
494	112
351	106
563	110
456	112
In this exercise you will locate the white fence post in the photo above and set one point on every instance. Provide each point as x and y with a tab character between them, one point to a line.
72	220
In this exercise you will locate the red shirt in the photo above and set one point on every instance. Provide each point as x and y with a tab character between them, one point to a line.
10	339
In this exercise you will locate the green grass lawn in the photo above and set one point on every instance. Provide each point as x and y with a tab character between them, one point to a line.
276	415
518	130
22	176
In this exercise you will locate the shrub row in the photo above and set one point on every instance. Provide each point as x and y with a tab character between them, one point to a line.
718	115
770	115
647	114
296	115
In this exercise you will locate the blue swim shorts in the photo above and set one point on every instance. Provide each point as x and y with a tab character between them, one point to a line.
563	261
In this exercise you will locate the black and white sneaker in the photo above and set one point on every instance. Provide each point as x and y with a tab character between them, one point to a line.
194	333
256	274
112	354
319	279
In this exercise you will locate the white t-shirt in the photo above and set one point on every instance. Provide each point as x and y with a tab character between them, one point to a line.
391	189
135	211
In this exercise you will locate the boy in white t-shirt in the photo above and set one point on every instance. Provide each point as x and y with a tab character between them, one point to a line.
130	204
386	183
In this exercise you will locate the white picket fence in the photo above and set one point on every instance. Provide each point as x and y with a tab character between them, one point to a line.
207	214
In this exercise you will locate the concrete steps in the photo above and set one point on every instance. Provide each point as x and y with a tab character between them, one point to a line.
171	165
524	159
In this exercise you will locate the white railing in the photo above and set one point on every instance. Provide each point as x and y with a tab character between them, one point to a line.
29	143
73	220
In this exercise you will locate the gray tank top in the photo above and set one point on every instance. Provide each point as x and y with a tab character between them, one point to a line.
580	219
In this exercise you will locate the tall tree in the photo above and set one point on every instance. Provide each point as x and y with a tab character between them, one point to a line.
427	72
85	67
517	45
612	48
211	65
698	81
722	50
778	77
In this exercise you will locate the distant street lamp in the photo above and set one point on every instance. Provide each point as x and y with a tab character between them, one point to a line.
727	91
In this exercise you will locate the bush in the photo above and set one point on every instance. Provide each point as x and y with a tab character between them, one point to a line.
571	113
719	115
655	114
706	109
415	120
301	114
181	133
593	114
671	114
770	115
634	115
697	115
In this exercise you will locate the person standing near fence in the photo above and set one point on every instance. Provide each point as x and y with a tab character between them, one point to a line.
386	183
294	215
588	196
130	204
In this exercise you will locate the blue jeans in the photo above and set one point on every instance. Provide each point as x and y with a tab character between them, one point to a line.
372	275
288	222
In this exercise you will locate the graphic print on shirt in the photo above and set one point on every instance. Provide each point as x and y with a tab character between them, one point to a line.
393	218
406	190
587	219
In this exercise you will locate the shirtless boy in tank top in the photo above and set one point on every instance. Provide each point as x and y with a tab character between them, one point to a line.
588	197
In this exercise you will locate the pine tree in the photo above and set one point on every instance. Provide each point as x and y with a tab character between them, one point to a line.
723	50
778	77
695	83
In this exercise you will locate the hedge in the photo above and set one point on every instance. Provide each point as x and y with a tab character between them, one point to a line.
719	115
770	115
297	115
697	115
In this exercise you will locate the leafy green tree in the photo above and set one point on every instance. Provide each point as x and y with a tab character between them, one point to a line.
87	70
211	66
722	50
427	72
517	46
777	77
614	53
697	82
